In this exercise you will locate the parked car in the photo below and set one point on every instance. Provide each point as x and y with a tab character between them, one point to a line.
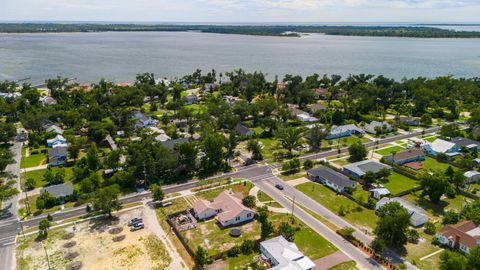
136	227
278	186
134	221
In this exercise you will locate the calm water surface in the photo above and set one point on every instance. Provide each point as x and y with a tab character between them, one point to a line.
119	56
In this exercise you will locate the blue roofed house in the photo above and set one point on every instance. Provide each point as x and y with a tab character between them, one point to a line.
331	178
359	169
344	131
440	146
144	121
59	139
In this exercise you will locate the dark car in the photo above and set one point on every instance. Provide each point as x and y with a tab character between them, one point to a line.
134	221
280	187
136	227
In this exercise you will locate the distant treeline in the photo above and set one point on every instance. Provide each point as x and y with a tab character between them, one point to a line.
263	30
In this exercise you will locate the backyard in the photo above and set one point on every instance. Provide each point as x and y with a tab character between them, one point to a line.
35	158
37	175
354	213
398	183
433	164
437	210
389	150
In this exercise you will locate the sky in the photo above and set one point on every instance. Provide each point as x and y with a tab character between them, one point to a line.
230	11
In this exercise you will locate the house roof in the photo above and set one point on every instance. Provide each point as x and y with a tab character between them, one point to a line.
60	150
286	254
332	176
441	146
470	174
61	190
242	130
345	128
414	211
170	144
58	138
374	124
201	205
468	232
381	191
362	167
231	206
53	128
406	154
469	143
320	91
317	107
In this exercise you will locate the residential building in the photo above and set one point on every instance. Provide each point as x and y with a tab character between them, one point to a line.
190	99
52	128
47	100
410	120
13	95
376	127
284	255
227	208
317	107
242	130
469	144
417	214
406	156
144	121
359	169
61	192
59	139
440	146
379	192
331	178
58	155
170	144
301	115
464	236
343	131
320	93
471	177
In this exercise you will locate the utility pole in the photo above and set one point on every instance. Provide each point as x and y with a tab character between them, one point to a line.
46	255
23	232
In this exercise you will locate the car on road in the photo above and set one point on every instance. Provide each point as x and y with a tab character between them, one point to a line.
134	221
136	227
278	186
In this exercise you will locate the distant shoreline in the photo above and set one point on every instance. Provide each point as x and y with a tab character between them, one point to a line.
413	31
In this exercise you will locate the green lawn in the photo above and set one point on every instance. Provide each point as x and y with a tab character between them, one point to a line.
389	150
341	162
33	206
312	244
421	249
33	160
345	141
38	176
433	164
293	176
269	146
398	183
437	210
263	197
360	216
350	265
212	194
240	262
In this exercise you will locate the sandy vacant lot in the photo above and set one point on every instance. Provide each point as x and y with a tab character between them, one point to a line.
95	245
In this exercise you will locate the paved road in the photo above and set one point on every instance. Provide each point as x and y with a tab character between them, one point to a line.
10	207
362	259
10	227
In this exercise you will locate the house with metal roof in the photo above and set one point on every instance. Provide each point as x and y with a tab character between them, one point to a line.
469	144
406	156
440	146
59	139
190	99
228	209
331	178
464	235
417	214
58	155
344	131
471	176
284	255
359	169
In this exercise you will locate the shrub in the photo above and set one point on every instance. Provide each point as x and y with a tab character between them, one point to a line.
308	164
233	252
430	228
247	247
249	201
377	245
413	236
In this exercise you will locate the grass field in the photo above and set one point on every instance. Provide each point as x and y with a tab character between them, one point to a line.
433	164
38	176
269	146
398	183
423	248
33	160
212	194
345	141
389	150
356	214
263	197
437	210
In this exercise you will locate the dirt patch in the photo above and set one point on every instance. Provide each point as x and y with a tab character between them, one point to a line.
116	230
74	266
218	265
118	238
69	244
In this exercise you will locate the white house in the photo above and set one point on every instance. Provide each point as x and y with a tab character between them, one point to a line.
331	178
417	214
59	139
440	146
228	209
284	255
464	236
376	127
471	176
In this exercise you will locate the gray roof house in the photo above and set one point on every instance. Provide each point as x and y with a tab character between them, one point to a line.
417	214
59	191
377	127
331	178
358	169
170	144
53	128
58	155
344	131
465	142
284	255
242	130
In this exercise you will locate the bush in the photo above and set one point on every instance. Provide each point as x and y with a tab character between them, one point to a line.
413	236
247	247
249	201
430	228
233	252
349	190
308	164
377	245
435	241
